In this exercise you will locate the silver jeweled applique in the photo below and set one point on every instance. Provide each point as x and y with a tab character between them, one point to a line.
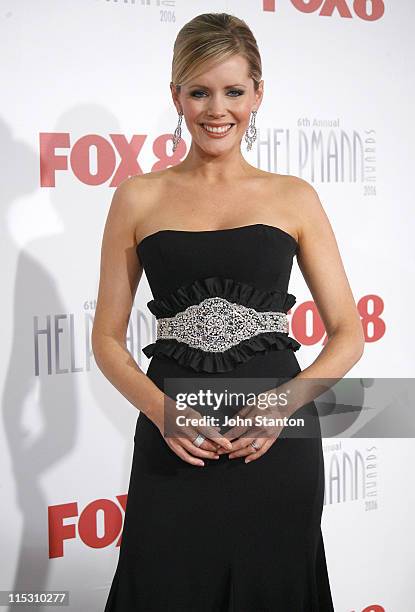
217	324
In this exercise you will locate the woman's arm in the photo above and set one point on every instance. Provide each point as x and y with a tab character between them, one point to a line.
120	274
321	265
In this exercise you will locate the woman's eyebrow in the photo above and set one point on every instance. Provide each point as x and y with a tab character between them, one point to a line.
226	86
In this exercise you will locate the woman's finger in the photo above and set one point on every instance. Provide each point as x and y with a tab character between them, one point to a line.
188	430
251	434
198	450
211	435
244	447
248	450
183	454
261	451
217	438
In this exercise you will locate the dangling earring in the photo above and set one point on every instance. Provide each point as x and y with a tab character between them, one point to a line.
250	134
177	132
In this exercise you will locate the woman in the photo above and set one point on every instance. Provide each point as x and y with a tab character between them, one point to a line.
220	521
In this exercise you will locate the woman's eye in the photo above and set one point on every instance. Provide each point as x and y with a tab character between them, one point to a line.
196	92
239	92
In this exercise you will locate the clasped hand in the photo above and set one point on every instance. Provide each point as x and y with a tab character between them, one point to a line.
256	425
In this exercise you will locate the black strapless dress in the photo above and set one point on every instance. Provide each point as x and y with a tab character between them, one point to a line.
227	536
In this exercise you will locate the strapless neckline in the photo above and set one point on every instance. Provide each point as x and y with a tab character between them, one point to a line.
216	231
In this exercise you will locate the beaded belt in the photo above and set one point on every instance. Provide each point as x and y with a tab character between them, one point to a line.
217	324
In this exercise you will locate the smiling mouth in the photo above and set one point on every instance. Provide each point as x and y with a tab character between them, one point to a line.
217	131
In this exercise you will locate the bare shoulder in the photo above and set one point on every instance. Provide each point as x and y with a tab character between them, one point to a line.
138	196
291	188
304	203
139	187
298	189
292	200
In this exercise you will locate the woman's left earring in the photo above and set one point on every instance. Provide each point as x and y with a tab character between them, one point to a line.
177	132
250	134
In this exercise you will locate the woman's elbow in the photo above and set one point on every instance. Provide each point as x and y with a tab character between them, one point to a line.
98	341
352	340
360	347
356	339
95	345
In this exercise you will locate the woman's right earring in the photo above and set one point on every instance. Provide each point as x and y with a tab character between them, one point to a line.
177	132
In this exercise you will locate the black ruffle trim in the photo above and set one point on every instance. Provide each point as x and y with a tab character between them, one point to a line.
233	291
209	361
212	286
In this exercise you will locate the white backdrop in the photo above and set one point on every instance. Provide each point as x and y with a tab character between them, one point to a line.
80	80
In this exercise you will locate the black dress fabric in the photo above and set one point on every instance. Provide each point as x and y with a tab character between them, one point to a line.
228	536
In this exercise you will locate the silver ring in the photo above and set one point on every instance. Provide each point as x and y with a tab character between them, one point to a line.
254	446
199	440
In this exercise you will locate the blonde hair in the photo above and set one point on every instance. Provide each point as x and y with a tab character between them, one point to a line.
210	38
